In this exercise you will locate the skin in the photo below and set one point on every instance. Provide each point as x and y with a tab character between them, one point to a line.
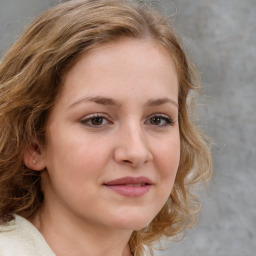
116	116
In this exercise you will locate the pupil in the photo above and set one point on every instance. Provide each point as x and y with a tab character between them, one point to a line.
97	121
155	120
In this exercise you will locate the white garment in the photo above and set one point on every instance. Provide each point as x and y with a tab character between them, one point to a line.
21	238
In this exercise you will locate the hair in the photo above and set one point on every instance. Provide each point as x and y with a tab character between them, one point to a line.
30	81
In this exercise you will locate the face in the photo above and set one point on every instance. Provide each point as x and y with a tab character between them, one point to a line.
113	143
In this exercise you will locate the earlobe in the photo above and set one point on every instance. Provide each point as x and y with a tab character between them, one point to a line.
33	157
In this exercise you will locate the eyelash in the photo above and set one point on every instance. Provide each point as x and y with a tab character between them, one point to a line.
93	117
162	117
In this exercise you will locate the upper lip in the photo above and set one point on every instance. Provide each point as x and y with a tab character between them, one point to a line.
130	180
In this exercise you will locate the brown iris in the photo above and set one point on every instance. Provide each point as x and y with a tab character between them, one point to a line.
155	120
97	121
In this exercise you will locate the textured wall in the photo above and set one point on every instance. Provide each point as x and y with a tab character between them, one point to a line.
220	36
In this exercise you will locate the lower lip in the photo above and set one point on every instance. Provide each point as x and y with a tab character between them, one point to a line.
130	191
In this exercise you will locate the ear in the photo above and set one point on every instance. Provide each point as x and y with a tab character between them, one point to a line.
33	157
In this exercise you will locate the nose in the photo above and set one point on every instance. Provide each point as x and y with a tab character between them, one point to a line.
132	148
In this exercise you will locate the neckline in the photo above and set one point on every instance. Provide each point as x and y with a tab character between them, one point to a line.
21	224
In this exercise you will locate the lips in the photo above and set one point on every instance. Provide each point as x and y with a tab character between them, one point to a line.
130	186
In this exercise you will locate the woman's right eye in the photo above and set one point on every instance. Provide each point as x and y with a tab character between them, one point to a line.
95	120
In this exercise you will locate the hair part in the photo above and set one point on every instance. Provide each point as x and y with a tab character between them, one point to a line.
30	81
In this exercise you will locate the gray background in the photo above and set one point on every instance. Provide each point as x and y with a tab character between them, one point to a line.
220	36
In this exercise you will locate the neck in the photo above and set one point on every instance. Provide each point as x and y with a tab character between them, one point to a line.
68	236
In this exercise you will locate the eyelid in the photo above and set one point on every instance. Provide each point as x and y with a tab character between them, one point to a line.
94	115
160	114
164	116
88	117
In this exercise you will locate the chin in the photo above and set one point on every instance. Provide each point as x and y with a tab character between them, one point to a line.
133	222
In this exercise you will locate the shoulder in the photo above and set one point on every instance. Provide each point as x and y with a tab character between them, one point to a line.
20	237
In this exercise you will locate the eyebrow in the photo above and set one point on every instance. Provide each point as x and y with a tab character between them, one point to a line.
98	100
161	101
112	102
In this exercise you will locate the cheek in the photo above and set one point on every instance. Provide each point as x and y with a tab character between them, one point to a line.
74	170
167	160
168	163
168	156
78	159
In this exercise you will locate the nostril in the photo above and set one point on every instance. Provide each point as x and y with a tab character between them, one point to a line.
130	163
127	161
132	156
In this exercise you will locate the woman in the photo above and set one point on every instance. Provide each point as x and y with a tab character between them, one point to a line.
97	147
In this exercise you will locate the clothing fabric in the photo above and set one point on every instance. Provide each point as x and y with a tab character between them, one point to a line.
21	238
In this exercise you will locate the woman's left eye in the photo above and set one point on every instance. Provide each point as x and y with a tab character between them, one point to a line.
159	120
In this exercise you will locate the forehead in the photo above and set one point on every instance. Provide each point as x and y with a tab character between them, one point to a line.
137	51
126	45
125	64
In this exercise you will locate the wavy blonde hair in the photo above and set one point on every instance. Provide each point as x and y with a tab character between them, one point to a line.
30	75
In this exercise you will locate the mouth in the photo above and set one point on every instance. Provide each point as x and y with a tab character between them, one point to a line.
130	186
135	185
